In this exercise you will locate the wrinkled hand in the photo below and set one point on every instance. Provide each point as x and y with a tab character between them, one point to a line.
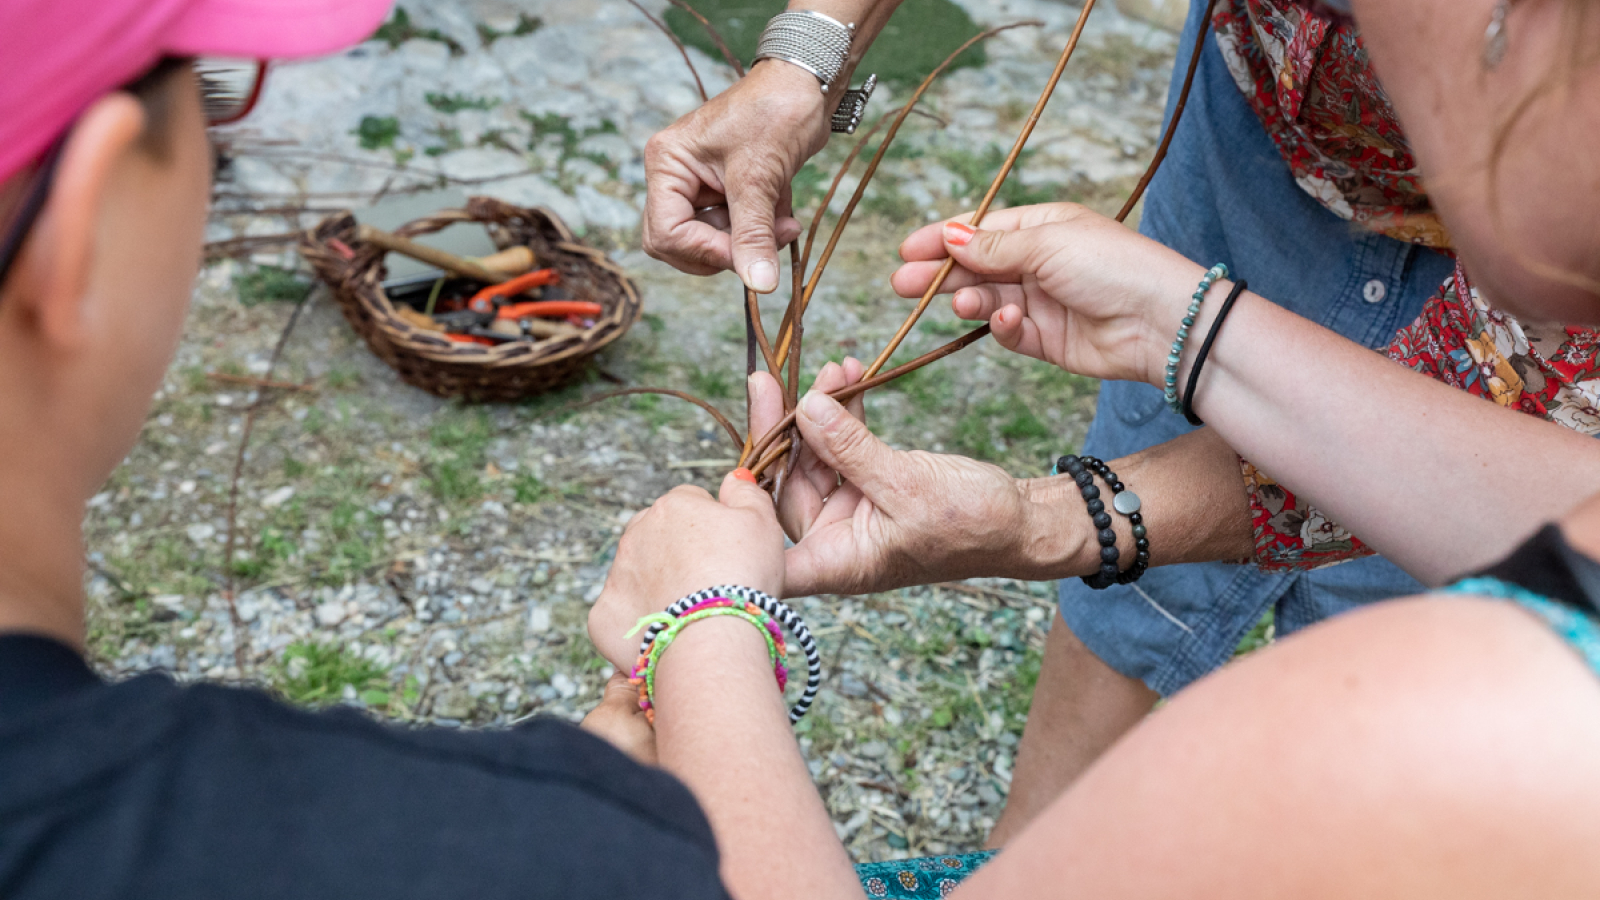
1060	283
899	517
686	541
619	720
741	149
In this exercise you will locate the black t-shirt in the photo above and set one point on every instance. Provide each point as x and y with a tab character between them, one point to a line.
147	789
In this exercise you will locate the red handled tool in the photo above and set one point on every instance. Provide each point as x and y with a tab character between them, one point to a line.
483	301
549	309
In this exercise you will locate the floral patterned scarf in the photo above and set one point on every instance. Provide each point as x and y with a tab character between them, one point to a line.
1307	76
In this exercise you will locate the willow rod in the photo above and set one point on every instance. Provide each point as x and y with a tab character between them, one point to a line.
872	167
866	384
722	420
994	188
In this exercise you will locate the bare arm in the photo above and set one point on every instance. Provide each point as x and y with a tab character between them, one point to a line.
1382	449
1378	446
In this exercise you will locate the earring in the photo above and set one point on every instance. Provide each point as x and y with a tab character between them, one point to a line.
1494	38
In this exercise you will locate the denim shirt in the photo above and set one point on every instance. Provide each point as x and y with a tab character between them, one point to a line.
1224	194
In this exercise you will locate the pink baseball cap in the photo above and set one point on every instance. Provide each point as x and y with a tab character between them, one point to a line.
58	56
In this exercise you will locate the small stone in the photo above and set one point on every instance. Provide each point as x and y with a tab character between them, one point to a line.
331	614
565	687
851	685
278	497
200	532
539	619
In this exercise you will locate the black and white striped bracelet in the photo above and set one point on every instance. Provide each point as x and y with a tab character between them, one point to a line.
773	607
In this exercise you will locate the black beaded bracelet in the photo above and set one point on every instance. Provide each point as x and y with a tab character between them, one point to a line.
1187	409
1124	502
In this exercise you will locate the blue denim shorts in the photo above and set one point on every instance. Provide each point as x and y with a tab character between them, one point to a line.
1225	195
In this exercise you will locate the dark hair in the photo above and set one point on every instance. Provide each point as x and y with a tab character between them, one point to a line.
24	193
150	89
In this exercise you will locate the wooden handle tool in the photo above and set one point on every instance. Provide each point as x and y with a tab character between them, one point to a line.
450	262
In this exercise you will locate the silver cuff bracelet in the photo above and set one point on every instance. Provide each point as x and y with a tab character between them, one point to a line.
820	44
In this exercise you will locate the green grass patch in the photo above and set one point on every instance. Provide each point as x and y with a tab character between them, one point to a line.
313	673
454	103
526	24
711	383
377	132
1002	427
527	488
270	284
976	170
456	455
916	38
326	534
399	29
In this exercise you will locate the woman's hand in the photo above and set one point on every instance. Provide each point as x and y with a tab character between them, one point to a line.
686	541
897	518
1060	283
740	150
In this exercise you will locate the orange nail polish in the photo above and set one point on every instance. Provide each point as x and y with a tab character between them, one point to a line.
958	234
744	474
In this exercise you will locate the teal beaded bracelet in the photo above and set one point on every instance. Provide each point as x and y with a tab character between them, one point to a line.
1170	394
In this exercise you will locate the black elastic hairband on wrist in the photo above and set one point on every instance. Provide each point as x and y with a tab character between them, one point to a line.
1239	288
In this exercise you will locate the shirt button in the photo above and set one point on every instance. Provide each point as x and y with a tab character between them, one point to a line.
1374	291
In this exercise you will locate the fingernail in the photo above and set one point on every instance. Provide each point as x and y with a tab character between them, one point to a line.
763	276
958	234
752	386
744	474
818	407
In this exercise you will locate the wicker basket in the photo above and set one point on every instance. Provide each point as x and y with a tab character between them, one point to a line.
474	372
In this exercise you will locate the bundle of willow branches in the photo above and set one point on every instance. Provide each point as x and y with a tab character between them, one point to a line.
765	454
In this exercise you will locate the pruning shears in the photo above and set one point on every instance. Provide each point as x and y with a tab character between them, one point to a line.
484	300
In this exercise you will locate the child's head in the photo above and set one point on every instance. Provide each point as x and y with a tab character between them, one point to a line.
104	182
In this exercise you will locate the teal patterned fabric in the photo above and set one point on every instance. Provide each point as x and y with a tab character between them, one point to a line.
1569	624
928	878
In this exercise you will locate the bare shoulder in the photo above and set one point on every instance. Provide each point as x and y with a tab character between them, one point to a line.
1420	748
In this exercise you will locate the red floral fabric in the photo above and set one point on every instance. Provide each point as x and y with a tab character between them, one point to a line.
1307	76
1549	371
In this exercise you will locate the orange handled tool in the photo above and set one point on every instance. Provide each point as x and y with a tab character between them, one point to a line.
550	308
483	301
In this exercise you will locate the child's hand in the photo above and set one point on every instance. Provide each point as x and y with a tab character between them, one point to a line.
619	720
685	542
1060	283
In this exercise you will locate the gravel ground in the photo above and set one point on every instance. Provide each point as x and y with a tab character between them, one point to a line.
435	563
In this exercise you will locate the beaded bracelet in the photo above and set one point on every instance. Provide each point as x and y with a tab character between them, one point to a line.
772	607
1125	502
644	669
1170	394
1187	407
